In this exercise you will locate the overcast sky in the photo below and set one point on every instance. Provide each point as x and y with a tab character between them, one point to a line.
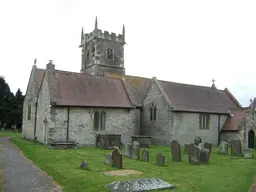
181	41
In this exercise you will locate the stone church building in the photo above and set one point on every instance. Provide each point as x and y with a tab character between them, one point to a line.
102	99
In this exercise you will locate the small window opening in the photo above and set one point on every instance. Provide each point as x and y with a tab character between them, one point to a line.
152	111
110	54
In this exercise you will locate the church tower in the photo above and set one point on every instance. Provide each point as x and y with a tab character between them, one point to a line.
102	52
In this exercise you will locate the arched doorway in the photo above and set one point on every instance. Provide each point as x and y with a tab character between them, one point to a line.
251	136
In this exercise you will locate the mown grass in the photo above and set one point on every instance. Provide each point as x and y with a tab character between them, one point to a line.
222	174
1	180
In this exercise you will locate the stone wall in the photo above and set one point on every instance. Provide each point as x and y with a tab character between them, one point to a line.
160	130
30	98
80	124
186	128
230	135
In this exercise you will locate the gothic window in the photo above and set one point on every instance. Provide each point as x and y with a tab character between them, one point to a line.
87	55
110	54
29	112
204	121
152	111
93	52
100	121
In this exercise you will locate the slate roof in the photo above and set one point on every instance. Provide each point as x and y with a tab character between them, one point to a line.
233	123
193	98
77	89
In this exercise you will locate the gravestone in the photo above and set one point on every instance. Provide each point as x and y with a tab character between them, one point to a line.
175	150
138	185
108	159
145	155
204	156
128	150
84	165
198	140
236	148
136	150
2	129
117	160
208	145
186	146
194	154
160	159
223	148
248	153
200	146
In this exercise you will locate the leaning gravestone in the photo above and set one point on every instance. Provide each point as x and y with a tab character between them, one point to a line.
138	185
128	150
208	145
117	160
108	159
194	155
175	150
236	148
223	148
204	156
160	159
186	146
145	155
248	153
198	140
136	150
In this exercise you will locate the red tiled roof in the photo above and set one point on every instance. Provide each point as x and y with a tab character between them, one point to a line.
77	89
233	123
193	98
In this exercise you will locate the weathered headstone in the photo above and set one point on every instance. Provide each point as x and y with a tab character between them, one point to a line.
128	150
223	148
200	146
84	165
136	150
248	153
204	156
236	148
108	159
194	155
186	146
117	159
198	140
160	159
138	185
175	150
145	155
208	145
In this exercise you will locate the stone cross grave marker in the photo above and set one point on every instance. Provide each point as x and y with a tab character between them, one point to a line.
175	150
145	155
208	145
198	140
194	155
186	146
236	148
136	150
108	159
117	159
160	159
128	150
200	146
223	148
204	156
248	153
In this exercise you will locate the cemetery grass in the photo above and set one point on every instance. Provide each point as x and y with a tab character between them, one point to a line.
1	180
222	174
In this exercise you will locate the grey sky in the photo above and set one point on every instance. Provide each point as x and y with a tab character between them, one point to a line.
183	41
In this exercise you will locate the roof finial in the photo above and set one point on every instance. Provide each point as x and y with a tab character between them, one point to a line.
96	23
82	35
123	31
213	85
35	61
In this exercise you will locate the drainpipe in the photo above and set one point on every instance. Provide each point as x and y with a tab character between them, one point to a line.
218	129
35	120
68	123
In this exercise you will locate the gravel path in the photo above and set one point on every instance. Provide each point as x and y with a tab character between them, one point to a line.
20	175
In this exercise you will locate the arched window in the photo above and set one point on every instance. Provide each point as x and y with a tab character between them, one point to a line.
110	54
93	51
152	111
87	55
96	121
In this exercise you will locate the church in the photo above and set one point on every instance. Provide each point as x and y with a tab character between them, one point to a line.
103	99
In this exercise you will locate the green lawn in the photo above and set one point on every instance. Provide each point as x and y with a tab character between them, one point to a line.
222	175
1	180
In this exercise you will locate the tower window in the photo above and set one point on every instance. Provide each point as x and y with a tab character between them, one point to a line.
152	111
110	54
87	55
93	52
